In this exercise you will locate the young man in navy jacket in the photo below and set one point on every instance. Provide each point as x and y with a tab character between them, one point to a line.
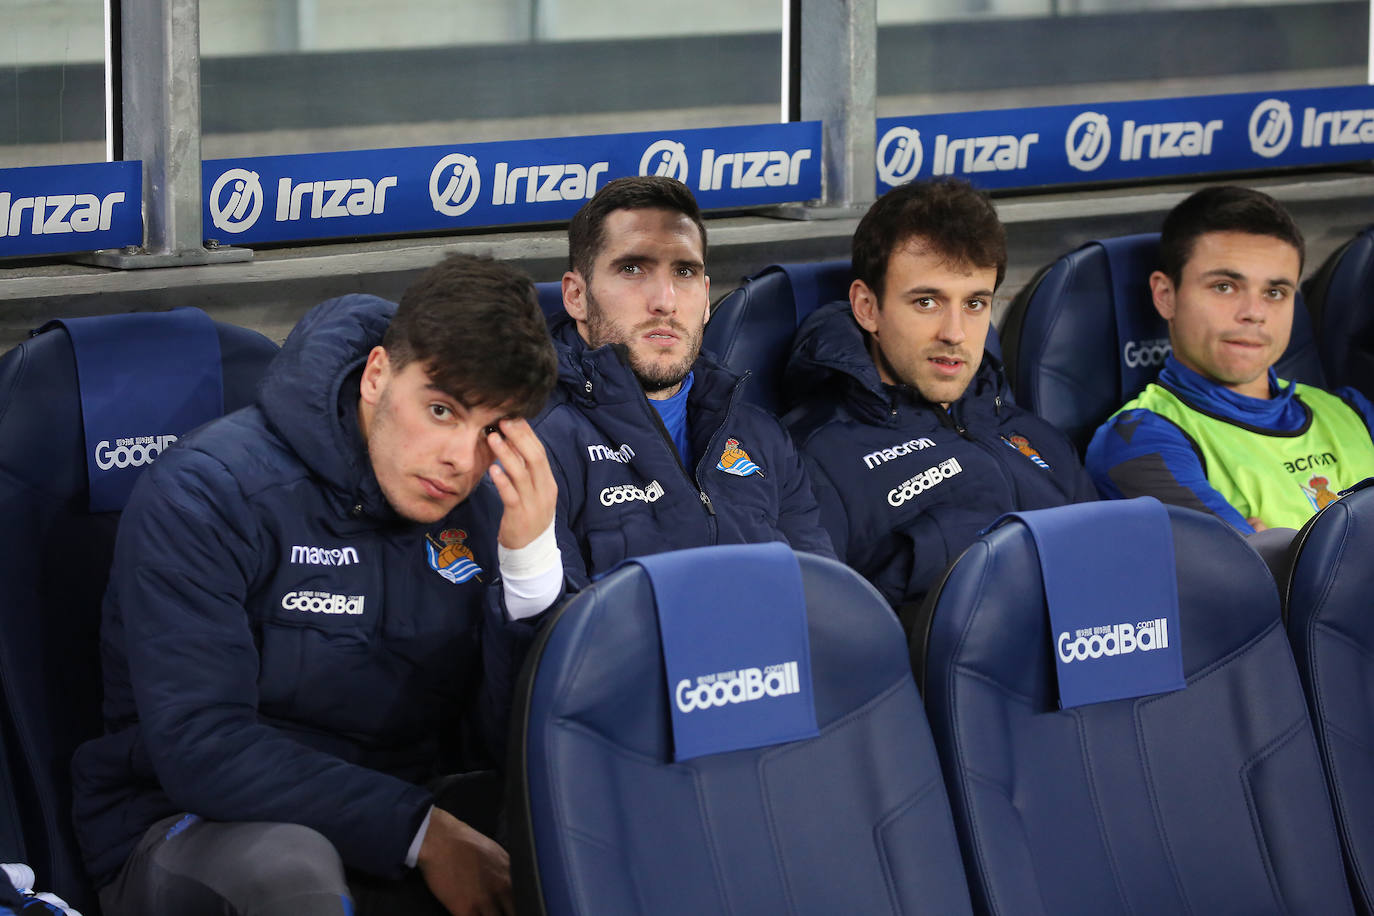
907	425
648	439
308	597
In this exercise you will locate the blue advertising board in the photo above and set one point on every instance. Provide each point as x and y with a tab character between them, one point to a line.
418	189
1116	141
57	209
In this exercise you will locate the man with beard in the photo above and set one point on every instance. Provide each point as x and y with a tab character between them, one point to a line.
908	428
1219	431
648	439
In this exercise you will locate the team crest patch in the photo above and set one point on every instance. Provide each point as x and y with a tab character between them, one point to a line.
734	460
1318	490
1022	445
450	558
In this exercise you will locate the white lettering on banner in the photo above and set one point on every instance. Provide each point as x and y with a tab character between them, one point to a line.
131	452
1337	128
1003	153
1139	353
628	492
1088	141
602	452
742	686
323	603
545	183
665	157
333	198
324	556
759	169
900	155
1271	127
923	481
1110	641
54	214
461	180
873	459
244	204
1167	140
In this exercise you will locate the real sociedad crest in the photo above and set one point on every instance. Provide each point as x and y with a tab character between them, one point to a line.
450	558
734	460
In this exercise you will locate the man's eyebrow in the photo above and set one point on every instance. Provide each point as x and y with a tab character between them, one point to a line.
1230	274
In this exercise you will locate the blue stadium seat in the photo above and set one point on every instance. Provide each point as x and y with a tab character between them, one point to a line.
1083	337
550	297
54	562
1340	296
1327	603
852	821
1209	799
751	328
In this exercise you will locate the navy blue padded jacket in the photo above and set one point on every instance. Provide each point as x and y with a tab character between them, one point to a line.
623	491
276	645
903	485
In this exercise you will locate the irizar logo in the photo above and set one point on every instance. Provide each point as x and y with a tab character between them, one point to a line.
605	453
243	205
55	214
324	556
1088	141
742	686
1337	128
628	492
1003	153
873	459
665	158
759	169
1120	639
545	184
1167	139
133	452
1271	127
332	198
900	155
1141	353
923	481
323	603
454	184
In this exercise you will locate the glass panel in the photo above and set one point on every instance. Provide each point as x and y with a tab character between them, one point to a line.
292	76
969	55
52	82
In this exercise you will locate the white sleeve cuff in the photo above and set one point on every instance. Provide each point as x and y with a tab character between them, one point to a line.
532	576
413	853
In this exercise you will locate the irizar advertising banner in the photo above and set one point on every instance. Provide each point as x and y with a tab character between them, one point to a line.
1117	141
56	209
419	189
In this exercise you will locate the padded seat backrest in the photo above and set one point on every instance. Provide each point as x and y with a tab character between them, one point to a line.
604	822
550	298
54	563
1340	296
1208	799
1330	618
1083	337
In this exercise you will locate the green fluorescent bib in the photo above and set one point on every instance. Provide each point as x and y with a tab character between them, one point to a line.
1280	478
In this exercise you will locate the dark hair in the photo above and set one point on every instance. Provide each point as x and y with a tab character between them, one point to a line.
587	231
474	323
954	218
1223	208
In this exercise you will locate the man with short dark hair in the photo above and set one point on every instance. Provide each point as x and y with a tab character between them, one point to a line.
649	442
313	600
1218	430
908	428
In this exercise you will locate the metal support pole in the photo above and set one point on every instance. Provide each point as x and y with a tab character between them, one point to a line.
160	47
839	87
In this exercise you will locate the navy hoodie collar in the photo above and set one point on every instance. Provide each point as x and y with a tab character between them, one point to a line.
1280	411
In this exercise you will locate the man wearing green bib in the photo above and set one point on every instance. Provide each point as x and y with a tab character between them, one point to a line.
1218	430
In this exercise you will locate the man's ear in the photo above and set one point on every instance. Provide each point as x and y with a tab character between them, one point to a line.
708	298
1162	292
864	303
575	295
375	375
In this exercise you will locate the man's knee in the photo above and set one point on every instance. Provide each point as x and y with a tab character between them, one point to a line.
291	860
